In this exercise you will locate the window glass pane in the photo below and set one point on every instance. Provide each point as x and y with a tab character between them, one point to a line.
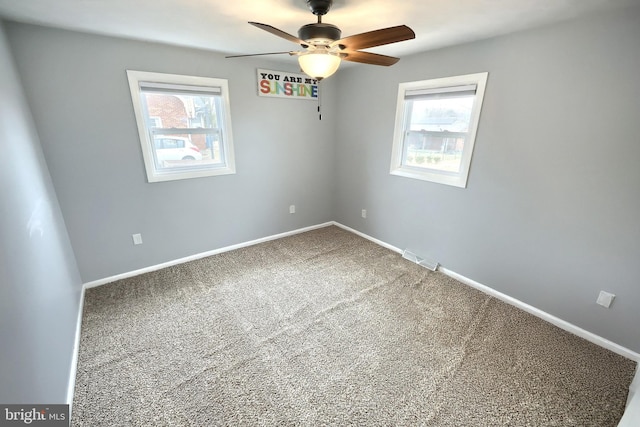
187	151
436	132
184	128
181	110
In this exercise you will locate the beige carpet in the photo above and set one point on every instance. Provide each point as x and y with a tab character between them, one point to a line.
327	328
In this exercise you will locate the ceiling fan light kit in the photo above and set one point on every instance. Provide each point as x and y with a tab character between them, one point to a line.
319	64
325	49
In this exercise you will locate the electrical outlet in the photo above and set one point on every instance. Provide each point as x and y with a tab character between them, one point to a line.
137	239
364	213
605	299
292	209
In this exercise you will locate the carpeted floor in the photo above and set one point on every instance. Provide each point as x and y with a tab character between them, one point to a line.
327	328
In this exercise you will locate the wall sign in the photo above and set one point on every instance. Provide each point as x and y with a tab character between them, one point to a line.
283	84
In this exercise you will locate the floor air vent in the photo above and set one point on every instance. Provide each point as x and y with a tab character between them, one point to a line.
430	265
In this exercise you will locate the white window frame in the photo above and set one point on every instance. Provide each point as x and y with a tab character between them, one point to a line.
457	179
138	79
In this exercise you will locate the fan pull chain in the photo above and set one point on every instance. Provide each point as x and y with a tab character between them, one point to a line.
319	92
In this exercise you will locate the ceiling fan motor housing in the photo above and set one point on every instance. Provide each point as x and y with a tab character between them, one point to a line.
319	7
319	33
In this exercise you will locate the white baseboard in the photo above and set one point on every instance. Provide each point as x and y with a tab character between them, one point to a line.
562	324
74	361
156	267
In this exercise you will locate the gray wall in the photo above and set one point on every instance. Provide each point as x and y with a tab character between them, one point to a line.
39	280
551	212
77	88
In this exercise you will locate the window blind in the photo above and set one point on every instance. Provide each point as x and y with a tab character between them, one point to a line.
441	92
178	89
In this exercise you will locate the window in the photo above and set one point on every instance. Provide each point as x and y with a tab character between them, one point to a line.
436	123
184	125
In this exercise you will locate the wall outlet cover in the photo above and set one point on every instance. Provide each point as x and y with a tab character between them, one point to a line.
605	299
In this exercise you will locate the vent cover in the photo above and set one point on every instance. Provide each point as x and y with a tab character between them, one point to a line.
429	265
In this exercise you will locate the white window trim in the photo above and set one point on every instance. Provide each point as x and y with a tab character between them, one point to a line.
136	78
433	175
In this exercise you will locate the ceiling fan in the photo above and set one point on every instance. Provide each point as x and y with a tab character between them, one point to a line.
324	49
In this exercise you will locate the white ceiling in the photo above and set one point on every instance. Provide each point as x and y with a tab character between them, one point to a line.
221	25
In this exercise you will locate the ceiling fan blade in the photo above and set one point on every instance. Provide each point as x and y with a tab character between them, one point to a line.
260	54
368	58
376	38
279	33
